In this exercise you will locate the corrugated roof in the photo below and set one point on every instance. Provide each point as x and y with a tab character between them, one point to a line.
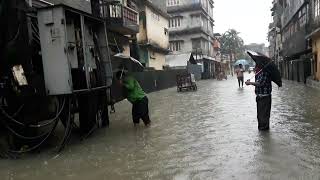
178	60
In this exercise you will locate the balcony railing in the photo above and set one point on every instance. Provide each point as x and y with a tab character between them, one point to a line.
119	17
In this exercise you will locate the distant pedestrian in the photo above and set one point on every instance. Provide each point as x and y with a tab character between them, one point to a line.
136	96
263	89
239	71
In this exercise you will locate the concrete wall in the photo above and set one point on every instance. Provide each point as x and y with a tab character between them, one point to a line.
193	18
187	21
204	3
156	60
153	31
150	81
187	42
156	25
161	4
142	35
83	5
197	19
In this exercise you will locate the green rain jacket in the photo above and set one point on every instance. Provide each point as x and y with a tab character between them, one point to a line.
135	92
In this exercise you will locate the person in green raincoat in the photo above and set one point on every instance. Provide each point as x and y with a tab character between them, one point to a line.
136	96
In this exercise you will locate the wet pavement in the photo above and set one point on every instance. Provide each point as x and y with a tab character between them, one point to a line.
208	134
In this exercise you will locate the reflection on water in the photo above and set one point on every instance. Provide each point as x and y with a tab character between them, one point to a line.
208	134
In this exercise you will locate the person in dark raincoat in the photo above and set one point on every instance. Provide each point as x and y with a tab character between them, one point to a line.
263	89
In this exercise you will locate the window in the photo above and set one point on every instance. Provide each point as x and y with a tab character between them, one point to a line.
195	1
316	8
303	16
115	11
176	45
196	43
175	22
201	21
173	2
196	20
166	31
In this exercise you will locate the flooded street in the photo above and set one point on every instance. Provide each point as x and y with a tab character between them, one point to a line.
208	134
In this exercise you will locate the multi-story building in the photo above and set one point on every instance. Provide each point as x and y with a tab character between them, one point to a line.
274	35
122	19
83	5
191	30
287	34
314	38
153	36
295	47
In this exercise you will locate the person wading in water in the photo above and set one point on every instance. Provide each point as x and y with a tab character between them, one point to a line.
263	89
239	73
136	96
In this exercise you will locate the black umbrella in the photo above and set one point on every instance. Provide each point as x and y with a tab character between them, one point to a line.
268	66
123	61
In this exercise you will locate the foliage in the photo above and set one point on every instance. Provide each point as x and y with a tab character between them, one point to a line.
232	44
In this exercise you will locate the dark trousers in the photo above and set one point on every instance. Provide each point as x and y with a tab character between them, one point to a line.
140	110
240	81
263	112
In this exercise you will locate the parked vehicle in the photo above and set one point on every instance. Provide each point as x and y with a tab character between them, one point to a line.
186	82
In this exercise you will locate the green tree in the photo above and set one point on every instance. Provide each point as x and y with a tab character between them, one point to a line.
232	44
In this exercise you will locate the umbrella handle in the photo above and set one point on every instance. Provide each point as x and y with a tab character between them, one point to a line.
260	70
122	73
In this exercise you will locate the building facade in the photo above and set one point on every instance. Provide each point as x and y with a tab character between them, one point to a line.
314	38
122	20
153	36
191	29
135	28
83	5
289	46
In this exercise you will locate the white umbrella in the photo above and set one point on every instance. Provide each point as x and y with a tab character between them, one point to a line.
126	61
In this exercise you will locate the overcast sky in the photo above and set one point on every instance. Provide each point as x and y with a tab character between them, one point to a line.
250	17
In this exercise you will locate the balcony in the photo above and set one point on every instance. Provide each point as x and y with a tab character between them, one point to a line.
194	6
313	27
120	18
290	11
193	29
295	44
156	46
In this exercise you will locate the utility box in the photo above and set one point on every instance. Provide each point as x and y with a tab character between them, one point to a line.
74	51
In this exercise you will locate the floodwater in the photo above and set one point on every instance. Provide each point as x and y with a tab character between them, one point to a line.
208	134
